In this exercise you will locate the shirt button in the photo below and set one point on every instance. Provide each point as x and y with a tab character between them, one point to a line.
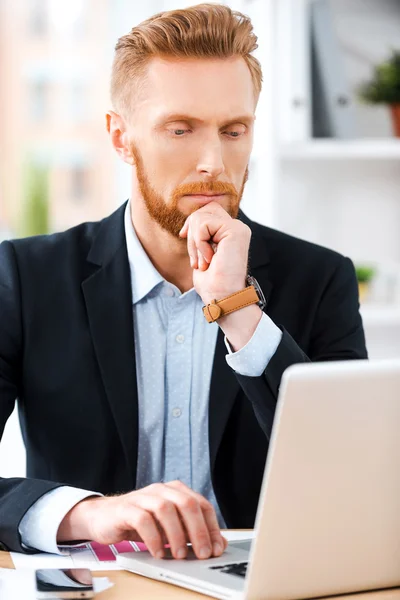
169	292
180	338
176	412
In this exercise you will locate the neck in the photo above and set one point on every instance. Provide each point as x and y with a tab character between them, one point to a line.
168	254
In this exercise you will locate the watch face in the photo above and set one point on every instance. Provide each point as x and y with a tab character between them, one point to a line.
253	281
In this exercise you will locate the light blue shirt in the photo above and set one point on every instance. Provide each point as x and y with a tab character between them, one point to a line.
174	349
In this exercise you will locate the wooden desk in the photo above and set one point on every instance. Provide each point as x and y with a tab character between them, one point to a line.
128	586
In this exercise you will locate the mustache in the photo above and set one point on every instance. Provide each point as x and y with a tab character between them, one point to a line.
205	187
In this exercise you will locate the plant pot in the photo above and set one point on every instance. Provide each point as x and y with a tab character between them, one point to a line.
395	111
363	289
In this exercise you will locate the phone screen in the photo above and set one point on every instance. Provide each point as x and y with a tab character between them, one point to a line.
64	583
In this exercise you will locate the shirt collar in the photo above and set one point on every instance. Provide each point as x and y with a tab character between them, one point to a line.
144	276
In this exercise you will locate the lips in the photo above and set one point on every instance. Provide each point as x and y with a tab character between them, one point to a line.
205	196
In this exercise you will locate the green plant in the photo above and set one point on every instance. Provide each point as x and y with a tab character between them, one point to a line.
364	273
35	204
384	87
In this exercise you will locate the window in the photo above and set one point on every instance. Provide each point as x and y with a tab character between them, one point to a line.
68	18
78	183
38	18
77	101
39	100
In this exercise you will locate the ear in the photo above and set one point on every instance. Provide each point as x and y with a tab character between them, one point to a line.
119	136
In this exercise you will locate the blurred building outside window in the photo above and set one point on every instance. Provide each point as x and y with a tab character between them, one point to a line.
54	93
79	179
38	18
76	94
39	100
68	17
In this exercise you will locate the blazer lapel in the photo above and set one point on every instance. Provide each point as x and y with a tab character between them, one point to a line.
108	298
224	384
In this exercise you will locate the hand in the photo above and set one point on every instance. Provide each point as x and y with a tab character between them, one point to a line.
157	514
218	248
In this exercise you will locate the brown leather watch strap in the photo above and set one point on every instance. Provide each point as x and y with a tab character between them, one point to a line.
236	301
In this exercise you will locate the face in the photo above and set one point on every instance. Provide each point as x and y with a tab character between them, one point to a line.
190	137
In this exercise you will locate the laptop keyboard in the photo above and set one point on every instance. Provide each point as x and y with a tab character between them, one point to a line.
238	569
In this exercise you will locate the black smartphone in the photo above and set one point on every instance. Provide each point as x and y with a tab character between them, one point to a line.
64	583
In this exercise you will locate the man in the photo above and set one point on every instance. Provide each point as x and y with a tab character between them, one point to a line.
125	385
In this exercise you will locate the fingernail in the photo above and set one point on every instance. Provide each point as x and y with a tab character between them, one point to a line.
160	554
217	549
205	552
181	553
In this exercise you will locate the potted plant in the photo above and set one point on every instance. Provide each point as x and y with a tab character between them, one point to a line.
364	275
384	88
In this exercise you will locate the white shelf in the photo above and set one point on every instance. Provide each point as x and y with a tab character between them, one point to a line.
363	149
380	315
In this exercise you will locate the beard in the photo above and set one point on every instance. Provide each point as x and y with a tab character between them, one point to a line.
168	215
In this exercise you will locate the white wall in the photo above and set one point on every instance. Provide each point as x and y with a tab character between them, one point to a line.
12	450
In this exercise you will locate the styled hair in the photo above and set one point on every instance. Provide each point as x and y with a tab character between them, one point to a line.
201	31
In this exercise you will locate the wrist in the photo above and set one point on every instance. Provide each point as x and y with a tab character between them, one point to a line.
76	523
240	326
222	293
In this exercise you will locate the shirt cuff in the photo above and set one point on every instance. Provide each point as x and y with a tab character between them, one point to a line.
253	358
38	527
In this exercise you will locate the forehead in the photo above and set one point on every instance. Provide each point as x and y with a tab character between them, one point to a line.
205	88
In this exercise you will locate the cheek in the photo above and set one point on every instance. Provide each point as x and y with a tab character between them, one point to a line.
235	165
169	158
171	165
237	154
163	175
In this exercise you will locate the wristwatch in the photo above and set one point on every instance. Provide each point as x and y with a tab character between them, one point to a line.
252	294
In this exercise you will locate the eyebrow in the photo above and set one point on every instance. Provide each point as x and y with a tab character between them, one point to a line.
171	117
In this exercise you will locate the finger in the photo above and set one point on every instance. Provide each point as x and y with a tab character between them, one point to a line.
202	233
219	543
143	522
214	208
192	516
168	519
133	536
206	251
183	232
192	250
213	528
203	264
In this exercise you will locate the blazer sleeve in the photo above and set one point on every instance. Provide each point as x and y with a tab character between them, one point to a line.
337	334
17	495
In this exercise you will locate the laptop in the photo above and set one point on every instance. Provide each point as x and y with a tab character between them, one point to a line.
328	519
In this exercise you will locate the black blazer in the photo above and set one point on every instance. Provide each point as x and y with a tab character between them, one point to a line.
67	354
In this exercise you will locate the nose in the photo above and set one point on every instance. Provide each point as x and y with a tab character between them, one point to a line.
211	163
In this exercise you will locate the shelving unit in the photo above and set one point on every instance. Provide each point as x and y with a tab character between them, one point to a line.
339	193
381	316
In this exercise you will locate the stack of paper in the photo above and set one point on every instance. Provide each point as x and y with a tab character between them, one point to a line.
21	584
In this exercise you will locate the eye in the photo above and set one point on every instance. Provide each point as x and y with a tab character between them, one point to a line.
179	132
234	134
